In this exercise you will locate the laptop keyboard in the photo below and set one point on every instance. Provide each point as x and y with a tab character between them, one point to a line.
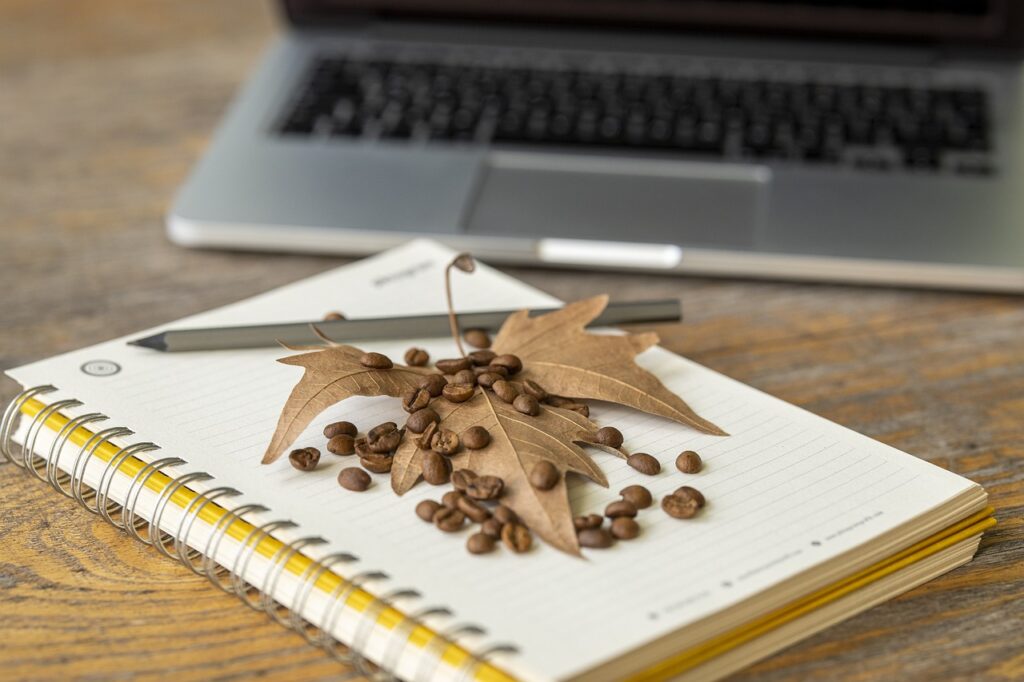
865	126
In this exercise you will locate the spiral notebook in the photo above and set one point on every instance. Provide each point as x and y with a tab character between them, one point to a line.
807	522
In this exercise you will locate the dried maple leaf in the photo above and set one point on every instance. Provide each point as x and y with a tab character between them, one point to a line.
518	442
332	374
560	355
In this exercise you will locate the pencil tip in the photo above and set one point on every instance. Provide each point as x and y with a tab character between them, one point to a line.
156	342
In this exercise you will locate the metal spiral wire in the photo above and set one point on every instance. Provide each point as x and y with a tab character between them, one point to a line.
239	585
54	476
398	641
81	464
187	554
29	458
157	536
11	413
367	622
70	481
103	501
211	569
434	651
278	563
307	582
338	600
130	519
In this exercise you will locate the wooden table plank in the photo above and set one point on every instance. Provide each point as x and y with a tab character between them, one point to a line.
105	106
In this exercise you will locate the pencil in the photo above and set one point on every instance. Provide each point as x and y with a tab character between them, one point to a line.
380	328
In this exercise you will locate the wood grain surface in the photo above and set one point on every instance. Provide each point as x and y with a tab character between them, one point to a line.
104	106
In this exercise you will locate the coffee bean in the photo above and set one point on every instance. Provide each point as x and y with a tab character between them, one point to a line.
452	365
510	362
340	428
451	499
445	442
426	510
610	436
482	358
492	527
473	510
476	437
504	390
362	448
534	389
505	515
487	379
465	377
332	316
485	488
379	430
433	383
688	462
480	543
386	443
376	361
595	538
304	459
679	506
342	444
354	478
499	370
458	394
692	493
415	399
435	468
424	441
526	404
579	408
566	404
419	420
449	520
638	495
625	528
544	475
478	338
377	463
517	537
461	478
588	521
620	508
644	463
416	357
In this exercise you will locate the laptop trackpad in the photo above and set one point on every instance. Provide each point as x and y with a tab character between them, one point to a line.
583	197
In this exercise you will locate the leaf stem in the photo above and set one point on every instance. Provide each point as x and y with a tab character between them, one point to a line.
465	263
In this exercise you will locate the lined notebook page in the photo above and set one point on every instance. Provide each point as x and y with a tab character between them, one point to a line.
786	490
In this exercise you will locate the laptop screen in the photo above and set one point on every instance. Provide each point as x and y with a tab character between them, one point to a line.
988	22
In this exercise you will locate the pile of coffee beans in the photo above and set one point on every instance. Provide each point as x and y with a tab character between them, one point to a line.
685	501
621	515
475	499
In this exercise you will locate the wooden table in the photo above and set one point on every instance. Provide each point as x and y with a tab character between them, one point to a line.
104	107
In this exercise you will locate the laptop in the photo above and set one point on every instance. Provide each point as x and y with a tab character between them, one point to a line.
860	141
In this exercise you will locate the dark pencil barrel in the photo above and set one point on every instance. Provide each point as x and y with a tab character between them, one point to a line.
412	327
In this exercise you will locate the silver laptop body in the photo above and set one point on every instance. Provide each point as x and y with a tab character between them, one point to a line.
669	146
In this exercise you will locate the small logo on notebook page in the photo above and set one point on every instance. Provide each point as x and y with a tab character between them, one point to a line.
101	368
